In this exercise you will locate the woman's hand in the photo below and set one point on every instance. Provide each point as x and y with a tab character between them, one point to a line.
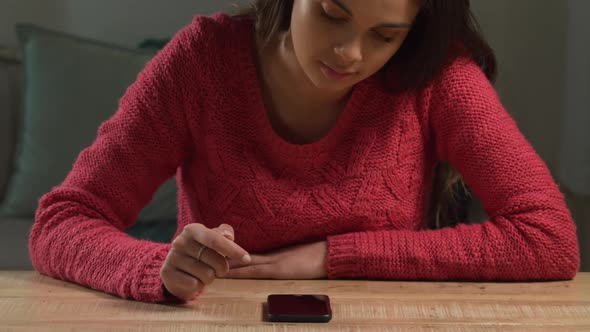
307	261
189	266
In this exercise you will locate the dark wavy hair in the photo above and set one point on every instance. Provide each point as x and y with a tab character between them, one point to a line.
443	30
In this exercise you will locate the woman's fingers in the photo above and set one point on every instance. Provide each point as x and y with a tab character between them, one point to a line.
227	231
200	270
180	284
212	239
261	271
198	256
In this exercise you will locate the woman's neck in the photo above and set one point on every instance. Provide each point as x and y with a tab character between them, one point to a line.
285	72
298	110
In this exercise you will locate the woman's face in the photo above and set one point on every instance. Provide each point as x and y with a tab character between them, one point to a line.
338	43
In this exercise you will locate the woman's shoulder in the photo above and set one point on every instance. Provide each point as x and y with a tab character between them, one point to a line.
460	89
461	81
216	25
459	73
201	45
211	34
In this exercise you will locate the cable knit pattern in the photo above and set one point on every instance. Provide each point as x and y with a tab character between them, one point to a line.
196	111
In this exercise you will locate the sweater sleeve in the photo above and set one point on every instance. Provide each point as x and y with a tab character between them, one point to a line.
530	235
78	234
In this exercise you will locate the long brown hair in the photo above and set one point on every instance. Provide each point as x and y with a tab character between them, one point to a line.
442	31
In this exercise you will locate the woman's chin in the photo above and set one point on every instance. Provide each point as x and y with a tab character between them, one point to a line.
324	83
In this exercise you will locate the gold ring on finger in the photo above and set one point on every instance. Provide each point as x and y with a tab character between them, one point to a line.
200	253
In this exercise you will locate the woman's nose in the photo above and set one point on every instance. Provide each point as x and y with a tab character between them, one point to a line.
349	52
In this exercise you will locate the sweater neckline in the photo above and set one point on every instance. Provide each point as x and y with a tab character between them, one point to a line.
261	119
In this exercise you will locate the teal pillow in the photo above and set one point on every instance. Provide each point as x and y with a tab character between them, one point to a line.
72	85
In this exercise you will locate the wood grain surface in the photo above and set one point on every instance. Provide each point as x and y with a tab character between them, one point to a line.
31	302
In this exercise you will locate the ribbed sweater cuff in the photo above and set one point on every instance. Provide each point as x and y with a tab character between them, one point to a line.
343	256
150	287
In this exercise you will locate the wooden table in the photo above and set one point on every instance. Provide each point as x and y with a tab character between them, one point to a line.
31	302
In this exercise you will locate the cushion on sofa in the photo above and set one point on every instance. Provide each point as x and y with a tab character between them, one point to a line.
72	85
14	243
14	239
10	74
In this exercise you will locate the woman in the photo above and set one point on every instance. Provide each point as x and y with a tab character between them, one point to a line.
306	137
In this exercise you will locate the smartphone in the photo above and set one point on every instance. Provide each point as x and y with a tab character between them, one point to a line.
303	308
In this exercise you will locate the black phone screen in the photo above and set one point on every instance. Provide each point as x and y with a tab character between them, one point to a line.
299	308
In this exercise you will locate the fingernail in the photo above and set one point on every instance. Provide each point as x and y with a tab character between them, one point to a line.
227	233
246	259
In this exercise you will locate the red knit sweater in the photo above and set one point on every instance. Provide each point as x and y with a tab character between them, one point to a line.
196	111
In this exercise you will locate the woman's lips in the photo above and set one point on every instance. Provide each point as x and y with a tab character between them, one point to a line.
334	74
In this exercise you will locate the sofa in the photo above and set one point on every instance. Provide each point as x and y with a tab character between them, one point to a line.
55	90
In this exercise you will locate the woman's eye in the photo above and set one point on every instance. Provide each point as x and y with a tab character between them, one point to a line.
332	18
387	39
384	38
326	12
